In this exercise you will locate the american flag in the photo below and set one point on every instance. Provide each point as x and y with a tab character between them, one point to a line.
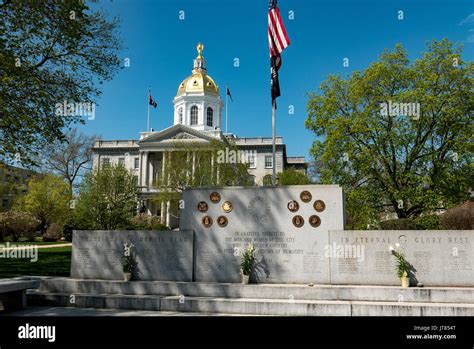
277	40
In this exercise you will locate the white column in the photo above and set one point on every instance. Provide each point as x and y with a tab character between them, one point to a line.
150	170
148	208
212	166
168	206
146	170
162	214
188	173
163	168
140	169
194	164
168	176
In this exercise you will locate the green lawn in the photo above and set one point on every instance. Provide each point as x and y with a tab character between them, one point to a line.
51	262
36	243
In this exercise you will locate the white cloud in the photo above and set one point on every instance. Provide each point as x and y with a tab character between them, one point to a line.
470	36
469	19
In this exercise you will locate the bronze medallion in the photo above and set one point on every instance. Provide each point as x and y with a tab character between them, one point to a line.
207	221
314	221
215	197
319	205
298	221
227	206
222	221
306	196
202	206
293	206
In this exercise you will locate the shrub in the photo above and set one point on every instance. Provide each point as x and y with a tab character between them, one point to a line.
428	222
459	218
144	222
17	224
292	177
53	233
398	224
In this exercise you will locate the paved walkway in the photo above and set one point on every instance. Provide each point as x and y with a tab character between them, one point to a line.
69	311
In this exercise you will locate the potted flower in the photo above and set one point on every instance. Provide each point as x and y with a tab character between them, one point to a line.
246	264
403	267
128	262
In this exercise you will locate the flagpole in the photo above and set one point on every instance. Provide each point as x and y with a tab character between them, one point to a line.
226	99
148	119
273	143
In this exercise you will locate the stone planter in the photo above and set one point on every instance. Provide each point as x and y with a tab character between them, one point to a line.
405	281
127	276
244	279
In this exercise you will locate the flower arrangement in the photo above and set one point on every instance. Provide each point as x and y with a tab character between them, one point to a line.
247	260
128	261
403	267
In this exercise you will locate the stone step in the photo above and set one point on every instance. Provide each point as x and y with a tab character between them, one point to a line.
249	306
313	308
262	291
89	300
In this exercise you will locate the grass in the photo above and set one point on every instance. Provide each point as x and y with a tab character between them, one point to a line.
55	261
35	243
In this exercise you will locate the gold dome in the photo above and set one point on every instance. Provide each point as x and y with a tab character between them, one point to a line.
199	81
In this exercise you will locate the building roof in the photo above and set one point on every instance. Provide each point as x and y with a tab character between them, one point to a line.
296	160
199	81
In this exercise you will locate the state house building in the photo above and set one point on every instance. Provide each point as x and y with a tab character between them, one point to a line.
197	118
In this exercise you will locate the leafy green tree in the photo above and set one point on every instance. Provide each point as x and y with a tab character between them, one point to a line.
216	164
409	160
53	52
107	199
48	199
292	177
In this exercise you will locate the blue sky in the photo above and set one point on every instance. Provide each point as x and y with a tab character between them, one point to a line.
161	49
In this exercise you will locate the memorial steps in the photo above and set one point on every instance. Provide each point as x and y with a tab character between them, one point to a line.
261	299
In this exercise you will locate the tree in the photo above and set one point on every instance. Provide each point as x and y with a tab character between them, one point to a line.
70	158
398	134
292	177
54	53
48	199
17	224
107	199
215	164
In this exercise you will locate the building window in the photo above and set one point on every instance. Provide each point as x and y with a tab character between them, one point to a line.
180	115
105	162
253	180
210	114
135	180
121	161
5	203
252	159
268	161
136	163
194	115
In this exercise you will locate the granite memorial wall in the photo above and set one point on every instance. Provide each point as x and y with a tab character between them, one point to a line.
299	237
159	255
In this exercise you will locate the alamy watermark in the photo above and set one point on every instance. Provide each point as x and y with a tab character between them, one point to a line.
84	109
336	250
411	109
15	251
231	156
